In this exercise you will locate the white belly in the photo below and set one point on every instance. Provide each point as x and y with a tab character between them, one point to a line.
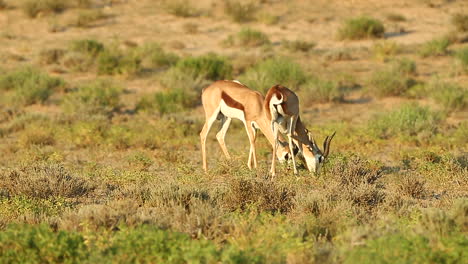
231	112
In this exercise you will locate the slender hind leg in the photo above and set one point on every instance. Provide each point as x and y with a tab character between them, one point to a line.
275	146
206	128
291	129
225	122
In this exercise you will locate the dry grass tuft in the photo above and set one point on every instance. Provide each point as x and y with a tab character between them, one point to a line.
45	181
265	195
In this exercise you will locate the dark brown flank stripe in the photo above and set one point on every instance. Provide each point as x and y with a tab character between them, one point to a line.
231	102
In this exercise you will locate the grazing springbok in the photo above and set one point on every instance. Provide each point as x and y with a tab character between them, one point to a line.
224	100
282	106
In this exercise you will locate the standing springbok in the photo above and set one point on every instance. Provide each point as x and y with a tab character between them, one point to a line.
224	100
282	106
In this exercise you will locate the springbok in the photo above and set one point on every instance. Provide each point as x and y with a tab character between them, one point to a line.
224	100
282	107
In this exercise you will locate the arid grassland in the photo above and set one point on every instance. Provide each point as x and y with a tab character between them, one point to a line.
100	116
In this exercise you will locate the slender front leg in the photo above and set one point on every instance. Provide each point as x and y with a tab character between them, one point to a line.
252	153
226	121
275	145
291	129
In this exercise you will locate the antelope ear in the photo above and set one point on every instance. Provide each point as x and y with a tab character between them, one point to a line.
326	144
311	138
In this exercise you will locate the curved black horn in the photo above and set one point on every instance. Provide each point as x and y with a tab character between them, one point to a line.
326	144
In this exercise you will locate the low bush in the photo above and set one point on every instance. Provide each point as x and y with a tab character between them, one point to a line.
462	57
45	181
247	38
240	12
88	46
384	50
98	97
393	81
460	22
451	96
154	56
40	244
408	121
115	61
37	135
322	91
88	18
181	8
263	194
209	66
414	243
361	28
274	71
33	8
51	56
170	101
299	45
29	85
396	17
435	47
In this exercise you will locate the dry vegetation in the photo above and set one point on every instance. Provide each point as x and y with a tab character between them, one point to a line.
100	114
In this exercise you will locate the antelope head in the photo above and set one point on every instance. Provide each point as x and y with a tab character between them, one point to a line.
314	157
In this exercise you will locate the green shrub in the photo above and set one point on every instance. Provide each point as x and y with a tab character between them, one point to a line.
299	45
240	12
51	56
268	18
182	92
35	135
210	66
451	96
394	80
170	101
175	78
322	91
29	85
87	18
434	235
247	37
33	7
384	50
462	56
114	61
396	17
410	120
87	46
408	248
181	8
406	66
274	71
98	97
460	21
39	244
436	47
361	28
154	56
